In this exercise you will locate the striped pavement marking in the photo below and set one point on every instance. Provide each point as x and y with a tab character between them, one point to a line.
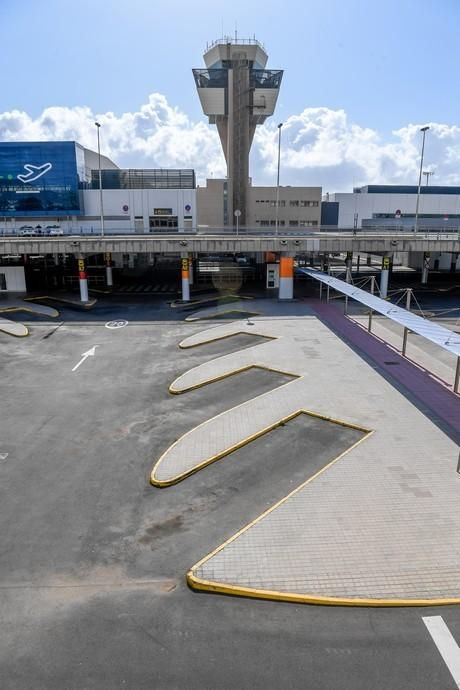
444	641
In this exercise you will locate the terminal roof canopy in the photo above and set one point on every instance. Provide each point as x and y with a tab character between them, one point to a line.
448	340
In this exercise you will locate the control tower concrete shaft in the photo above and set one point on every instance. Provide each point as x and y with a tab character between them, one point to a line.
237	93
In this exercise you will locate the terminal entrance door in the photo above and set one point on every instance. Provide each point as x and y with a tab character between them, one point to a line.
162	220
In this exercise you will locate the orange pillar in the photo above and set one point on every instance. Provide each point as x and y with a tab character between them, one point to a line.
185	279
286	289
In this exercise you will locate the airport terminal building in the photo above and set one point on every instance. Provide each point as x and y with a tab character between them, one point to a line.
46	184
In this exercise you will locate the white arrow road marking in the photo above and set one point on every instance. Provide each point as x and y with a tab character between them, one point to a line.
447	647
3	456
89	353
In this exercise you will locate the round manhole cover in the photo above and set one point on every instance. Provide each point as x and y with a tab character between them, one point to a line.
119	323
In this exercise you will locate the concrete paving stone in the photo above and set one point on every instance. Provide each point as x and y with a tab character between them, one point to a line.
359	516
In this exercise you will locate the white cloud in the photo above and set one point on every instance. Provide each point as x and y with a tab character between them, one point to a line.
320	146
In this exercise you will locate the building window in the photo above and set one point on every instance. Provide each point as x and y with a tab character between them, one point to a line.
272	203
282	203
293	223
293	202
281	222
308	223
309	204
265	222
162	222
2	281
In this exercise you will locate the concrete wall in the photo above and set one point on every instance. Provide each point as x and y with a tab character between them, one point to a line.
210	201
140	202
365	205
299	206
15	278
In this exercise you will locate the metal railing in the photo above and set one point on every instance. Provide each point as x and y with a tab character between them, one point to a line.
236	41
246	231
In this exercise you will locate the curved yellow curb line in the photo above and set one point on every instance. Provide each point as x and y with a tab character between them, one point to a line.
273	595
31	311
224	337
203	585
193	317
16	335
228	374
63	300
162	483
177	303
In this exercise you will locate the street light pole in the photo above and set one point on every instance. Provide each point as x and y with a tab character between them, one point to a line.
424	130
427	174
278	180
100	177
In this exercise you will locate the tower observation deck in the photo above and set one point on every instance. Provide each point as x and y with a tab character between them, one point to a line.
237	93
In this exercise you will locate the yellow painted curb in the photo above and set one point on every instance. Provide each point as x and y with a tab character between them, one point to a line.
247	367
243	442
191	318
196	583
78	305
177	303
200	584
224	337
30	311
15	335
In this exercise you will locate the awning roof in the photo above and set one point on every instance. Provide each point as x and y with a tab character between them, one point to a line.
448	340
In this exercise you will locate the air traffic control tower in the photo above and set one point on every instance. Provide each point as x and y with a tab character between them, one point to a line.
237	93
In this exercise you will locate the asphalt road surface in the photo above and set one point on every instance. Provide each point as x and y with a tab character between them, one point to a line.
93	558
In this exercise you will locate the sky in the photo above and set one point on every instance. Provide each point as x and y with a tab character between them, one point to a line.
360	79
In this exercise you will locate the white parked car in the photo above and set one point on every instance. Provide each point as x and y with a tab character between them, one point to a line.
27	230
54	230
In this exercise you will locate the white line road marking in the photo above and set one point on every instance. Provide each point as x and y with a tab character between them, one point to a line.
89	353
447	647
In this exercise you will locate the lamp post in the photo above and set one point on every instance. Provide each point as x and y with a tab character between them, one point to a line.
100	176
278	179
237	214
424	130
427	174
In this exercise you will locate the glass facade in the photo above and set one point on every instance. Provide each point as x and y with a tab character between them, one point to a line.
41	178
137	178
211	78
266	78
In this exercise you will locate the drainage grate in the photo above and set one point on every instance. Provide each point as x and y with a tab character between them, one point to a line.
392	364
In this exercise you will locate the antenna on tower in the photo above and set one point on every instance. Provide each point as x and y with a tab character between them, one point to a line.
236	32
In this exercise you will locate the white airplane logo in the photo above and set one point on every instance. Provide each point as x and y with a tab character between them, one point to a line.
34	171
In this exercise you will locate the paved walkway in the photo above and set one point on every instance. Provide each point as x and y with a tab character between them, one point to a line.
378	526
443	405
10	303
419	350
13	328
